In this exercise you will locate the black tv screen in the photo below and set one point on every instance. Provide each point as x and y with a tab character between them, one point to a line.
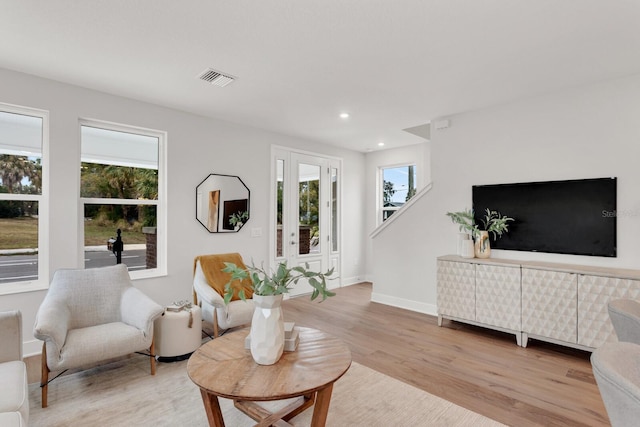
566	217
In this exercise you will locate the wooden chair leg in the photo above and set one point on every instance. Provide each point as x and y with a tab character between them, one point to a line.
44	376
216	333
152	351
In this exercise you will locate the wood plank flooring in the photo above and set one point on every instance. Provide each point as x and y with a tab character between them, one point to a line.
484	371
481	370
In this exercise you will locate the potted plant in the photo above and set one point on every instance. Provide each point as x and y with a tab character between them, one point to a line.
238	219
267	325
492	222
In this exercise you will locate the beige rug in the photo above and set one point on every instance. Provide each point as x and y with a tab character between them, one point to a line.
124	394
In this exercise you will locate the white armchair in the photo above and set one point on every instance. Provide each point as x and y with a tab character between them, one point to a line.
14	387
208	291
616	368
92	315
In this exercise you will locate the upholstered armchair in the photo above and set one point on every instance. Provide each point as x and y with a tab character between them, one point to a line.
625	317
92	315
616	368
14	387
208	292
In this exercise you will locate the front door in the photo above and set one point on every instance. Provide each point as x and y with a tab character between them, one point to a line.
307	211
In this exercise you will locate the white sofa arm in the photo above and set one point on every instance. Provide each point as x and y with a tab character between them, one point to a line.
52	323
10	336
139	310
206	293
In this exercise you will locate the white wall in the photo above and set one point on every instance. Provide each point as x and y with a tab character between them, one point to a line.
197	146
585	132
416	154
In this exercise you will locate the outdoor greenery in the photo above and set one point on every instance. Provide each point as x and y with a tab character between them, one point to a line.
13	171
388	189
23	175
22	232
19	233
120	182
277	282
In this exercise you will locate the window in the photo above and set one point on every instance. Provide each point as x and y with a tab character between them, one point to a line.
23	212
122	188
398	185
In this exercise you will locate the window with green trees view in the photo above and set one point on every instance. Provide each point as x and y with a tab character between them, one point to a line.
398	186
22	131
120	189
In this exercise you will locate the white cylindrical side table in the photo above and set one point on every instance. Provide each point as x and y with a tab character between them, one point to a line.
177	334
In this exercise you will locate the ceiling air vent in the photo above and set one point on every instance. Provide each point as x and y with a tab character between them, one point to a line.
216	77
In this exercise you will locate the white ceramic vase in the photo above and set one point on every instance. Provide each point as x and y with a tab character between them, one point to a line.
483	248
467	249
267	329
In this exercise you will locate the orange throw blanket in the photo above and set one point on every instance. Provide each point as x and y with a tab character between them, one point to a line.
212	266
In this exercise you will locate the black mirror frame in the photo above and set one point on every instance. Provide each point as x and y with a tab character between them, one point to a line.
229	207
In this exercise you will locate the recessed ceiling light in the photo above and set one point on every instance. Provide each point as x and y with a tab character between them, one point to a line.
380	144
344	115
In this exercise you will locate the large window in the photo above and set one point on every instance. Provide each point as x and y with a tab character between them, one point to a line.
397	186
23	210
121	189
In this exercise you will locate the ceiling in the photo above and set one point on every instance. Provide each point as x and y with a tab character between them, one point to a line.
391	64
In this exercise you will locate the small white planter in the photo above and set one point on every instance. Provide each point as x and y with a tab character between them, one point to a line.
267	329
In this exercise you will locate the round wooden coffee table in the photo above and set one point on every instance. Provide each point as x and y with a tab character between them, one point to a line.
224	368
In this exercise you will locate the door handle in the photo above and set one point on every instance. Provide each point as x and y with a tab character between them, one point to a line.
293	242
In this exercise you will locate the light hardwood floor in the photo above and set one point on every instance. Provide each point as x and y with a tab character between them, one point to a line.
484	371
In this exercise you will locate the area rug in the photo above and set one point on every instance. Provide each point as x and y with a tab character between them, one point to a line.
124	394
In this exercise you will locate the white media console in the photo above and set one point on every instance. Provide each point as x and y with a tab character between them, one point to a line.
559	303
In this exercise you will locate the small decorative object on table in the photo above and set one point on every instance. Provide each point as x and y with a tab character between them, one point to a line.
493	222
267	340
291	337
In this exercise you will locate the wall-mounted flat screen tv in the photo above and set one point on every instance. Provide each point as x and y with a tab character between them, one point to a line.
565	217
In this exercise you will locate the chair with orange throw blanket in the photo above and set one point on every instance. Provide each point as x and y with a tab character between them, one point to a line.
208	292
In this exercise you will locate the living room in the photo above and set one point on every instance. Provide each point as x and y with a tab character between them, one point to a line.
577	119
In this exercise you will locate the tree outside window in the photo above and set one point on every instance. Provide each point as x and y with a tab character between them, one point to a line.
398	187
22	133
120	190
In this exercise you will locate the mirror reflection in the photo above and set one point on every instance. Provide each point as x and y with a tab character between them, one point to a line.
222	203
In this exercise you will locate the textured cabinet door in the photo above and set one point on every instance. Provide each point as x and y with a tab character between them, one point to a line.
594	293
498	296
550	304
456	289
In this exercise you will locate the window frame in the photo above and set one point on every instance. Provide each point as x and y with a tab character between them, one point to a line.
161	203
380	190
42	282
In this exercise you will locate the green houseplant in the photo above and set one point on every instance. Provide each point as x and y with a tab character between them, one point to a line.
238	219
492	222
267	324
276	282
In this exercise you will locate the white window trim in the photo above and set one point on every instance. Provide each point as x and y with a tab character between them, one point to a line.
380	186
161	203
42	282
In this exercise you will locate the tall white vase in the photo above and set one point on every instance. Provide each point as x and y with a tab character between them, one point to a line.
267	329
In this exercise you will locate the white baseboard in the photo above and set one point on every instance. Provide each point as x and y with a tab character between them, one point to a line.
347	281
420	307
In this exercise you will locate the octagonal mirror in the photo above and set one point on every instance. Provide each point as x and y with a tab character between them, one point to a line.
222	203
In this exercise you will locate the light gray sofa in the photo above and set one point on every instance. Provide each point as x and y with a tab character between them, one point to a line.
616	368
14	392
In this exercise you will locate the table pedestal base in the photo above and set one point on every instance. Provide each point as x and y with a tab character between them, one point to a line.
321	398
